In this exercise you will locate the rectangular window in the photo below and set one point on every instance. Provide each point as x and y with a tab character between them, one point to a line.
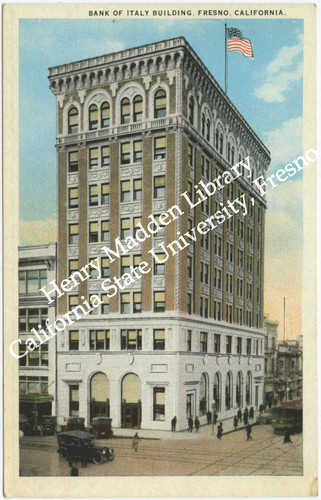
38	357
105	192
228	344
137	302
189	341
240	258
138	151
73	234
159	186
229	313
217	343
239	316
159	268
159	301
217	310
105	156
205	308
250	263
239	287
93	158
138	189
159	340
137	221
125	226
73	400
125	191
249	291
74	340
73	266
229	283
203	343
73	301
159	403
105	270
93	232
125	153
93	195
189	266
240	228
94	272
190	190
239	345
190	155
99	340
189	303
218	245
250	236
73	198
159	148
217	278
125	264
31	281
229	252
125	303
73	161
131	340
105	303
248	346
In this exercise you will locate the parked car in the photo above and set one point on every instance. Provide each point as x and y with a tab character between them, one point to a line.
25	425
264	417
73	424
72	443
48	425
101	427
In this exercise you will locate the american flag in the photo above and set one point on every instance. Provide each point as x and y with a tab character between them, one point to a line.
237	42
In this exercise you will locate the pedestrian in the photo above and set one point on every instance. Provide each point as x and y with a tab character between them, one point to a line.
197	424
287	438
245	419
190	424
261	408
239	415
136	440
84	455
74	470
251	414
275	401
215	416
219	431
174	420
209	417
235	422
248	432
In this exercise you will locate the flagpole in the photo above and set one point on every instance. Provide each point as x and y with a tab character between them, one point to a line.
225	60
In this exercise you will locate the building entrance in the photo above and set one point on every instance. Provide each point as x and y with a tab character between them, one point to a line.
131	415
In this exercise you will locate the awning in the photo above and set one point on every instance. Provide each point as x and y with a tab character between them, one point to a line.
35	398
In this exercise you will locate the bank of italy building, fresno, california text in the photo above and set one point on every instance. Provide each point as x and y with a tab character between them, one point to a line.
135	129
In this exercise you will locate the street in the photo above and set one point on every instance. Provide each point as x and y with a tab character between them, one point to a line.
233	455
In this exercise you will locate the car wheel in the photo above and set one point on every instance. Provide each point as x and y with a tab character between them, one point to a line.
63	454
110	455
98	458
263	420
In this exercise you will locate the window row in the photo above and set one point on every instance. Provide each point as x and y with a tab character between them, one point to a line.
130	340
32	318
239	345
31	281
38	357
33	385
131	111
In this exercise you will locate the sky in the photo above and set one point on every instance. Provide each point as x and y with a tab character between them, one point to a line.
267	91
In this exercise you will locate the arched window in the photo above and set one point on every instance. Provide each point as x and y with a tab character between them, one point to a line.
203	395
232	154
217	392
221	143
138	108
105	115
99	402
249	388
191	105
93	117
208	129
228	391
73	121
125	110
160	104
203	125
216	138
239	389
229	151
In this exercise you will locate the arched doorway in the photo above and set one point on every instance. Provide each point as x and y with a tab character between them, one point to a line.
249	388
228	391
203	395
217	391
99	402
131	412
239	390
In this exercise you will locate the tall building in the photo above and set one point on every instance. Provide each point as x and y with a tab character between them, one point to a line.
37	369
270	351
135	130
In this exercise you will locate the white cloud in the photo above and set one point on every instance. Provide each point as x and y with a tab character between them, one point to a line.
37	232
286	68
284	142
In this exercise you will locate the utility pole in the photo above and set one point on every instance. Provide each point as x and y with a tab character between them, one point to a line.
284	319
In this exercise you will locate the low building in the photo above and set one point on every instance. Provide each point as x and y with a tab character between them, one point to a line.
37	369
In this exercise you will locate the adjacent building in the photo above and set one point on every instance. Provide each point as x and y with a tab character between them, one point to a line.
135	130
37	370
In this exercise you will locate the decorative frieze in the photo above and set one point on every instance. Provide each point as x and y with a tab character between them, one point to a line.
97	212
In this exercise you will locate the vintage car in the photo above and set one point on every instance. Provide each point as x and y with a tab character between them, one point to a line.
101	427
264	417
74	444
73	424
48	425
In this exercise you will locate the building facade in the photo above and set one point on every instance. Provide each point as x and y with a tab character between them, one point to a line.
37	370
270	351
135	130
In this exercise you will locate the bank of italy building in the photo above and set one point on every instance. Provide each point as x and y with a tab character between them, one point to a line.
135	129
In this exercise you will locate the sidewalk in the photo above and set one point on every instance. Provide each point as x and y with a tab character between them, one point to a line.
205	431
